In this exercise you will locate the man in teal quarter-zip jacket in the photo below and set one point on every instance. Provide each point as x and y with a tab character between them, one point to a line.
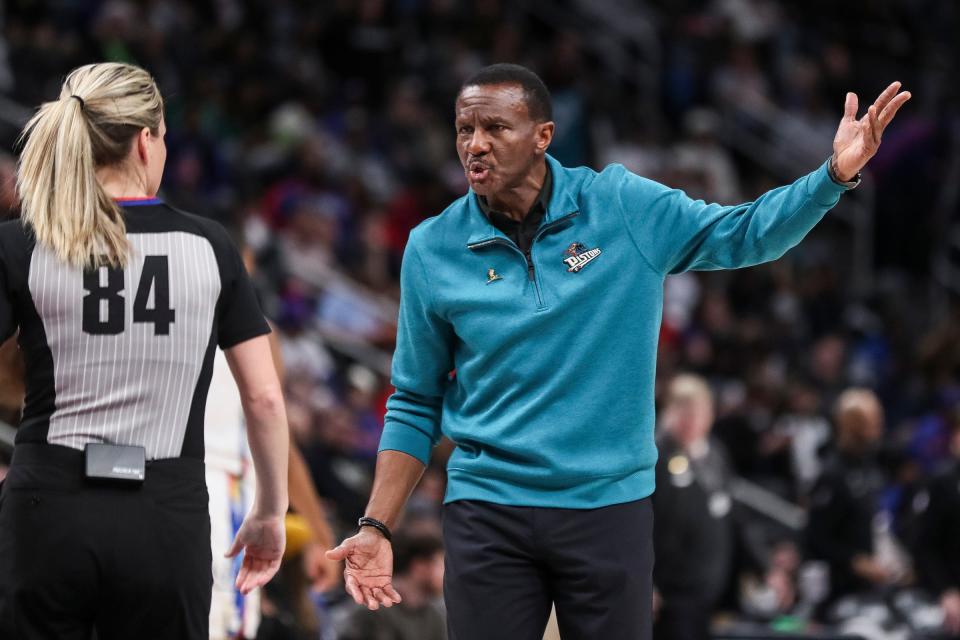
542	289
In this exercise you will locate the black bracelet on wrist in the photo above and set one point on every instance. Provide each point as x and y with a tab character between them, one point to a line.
366	521
832	172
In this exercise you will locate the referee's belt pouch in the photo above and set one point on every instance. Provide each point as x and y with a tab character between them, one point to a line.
114	463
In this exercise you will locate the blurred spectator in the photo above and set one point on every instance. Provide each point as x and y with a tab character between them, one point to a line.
700	153
361	397
741	83
773	592
804	432
847	527
418	577
693	537
938	548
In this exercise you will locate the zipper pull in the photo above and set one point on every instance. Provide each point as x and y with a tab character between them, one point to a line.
529	258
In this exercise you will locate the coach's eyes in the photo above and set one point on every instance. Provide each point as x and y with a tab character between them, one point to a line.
465	130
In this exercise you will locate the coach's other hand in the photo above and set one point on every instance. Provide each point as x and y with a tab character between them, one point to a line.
857	140
368	570
262	539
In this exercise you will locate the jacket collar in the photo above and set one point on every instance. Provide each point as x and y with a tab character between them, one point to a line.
562	203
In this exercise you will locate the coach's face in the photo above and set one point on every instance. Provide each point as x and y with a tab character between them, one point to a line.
499	143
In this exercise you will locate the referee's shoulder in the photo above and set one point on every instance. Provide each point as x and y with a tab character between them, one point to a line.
17	243
204	226
14	233
12	226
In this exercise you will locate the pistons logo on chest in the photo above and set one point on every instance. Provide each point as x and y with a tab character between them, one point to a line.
577	256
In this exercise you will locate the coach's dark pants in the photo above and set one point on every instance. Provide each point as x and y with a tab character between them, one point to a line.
505	565
131	563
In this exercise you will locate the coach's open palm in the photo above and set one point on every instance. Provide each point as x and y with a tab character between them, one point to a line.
369	569
262	540
857	140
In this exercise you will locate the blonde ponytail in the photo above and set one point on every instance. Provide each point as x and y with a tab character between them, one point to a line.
102	108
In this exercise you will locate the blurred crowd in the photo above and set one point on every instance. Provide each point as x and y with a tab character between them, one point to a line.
322	133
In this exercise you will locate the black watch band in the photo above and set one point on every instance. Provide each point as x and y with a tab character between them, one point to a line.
376	524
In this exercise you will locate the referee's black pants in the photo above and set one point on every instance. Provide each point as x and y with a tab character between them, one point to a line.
506	565
128	562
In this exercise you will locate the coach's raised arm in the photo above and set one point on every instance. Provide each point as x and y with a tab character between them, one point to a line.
692	235
529	316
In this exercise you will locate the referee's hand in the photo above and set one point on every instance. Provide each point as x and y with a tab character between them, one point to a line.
368	570
262	540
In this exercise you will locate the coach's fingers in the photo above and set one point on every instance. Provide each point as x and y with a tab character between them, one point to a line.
392	593
874	123
339	553
350	584
892	107
850	106
382	597
886	95
369	599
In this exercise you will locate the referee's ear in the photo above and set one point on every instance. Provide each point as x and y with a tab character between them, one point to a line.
544	135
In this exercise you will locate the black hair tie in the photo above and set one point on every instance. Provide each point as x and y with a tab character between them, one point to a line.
80	100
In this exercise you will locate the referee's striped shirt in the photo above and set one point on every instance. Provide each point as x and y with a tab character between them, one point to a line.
124	356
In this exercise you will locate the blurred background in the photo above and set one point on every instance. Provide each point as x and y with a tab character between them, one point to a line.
809	456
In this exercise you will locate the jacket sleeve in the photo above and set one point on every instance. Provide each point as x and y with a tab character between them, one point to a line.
421	363
675	233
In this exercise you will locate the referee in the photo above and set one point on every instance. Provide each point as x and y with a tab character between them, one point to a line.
121	302
529	315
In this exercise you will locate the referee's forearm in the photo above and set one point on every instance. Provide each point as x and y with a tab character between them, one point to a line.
396	476
269	441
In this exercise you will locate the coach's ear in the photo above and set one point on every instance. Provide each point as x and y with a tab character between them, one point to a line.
544	136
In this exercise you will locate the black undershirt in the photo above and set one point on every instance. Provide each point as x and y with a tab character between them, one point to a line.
522	231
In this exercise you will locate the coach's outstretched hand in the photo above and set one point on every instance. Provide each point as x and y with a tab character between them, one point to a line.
857	140
262	540
368	570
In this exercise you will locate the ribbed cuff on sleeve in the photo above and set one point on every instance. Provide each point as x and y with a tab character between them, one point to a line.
822	188
400	437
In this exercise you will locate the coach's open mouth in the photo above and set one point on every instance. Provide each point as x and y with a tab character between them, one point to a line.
477	171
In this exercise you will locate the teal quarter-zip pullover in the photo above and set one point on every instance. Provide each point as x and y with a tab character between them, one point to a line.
542	373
